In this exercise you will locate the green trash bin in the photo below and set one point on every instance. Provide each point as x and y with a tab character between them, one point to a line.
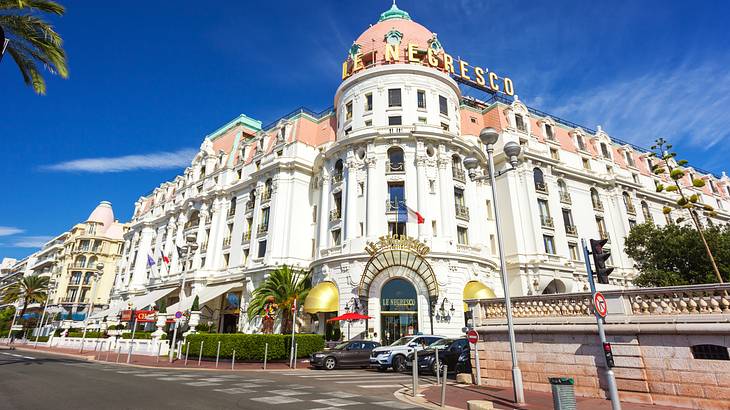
563	393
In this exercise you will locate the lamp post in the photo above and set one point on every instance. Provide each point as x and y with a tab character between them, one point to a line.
95	287
353	306
51	289
489	137
443	311
190	247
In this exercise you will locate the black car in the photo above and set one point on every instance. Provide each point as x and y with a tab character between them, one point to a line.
452	352
355	353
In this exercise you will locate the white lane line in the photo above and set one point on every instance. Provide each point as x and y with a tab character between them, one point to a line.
21	356
369	381
378	386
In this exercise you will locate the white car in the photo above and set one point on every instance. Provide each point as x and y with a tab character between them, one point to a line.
395	355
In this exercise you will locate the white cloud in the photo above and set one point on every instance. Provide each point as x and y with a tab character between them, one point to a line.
157	160
9	230
684	103
30	241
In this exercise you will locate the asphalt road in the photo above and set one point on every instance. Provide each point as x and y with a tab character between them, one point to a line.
34	380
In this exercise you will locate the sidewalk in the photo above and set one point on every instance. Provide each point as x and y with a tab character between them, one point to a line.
458	395
152	361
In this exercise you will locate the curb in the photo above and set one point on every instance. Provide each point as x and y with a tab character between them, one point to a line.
69	355
405	396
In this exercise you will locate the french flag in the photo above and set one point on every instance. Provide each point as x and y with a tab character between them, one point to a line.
408	214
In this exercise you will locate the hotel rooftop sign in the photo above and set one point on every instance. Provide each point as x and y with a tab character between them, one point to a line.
438	59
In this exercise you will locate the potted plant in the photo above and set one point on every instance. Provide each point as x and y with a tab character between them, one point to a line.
194	315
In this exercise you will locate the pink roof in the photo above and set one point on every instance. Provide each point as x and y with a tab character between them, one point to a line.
103	214
373	39
115	231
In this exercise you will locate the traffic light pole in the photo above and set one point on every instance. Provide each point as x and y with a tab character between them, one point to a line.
610	377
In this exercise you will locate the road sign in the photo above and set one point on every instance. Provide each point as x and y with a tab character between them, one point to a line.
16	327
599	303
472	336
178	314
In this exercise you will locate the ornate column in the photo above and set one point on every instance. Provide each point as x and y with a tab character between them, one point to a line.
139	276
446	195
215	239
203	215
422	186
350	222
324	206
373	197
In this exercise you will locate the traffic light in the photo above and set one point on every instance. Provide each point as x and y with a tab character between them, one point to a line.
608	353
599	258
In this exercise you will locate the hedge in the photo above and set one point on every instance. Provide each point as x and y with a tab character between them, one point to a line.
89	335
140	335
251	347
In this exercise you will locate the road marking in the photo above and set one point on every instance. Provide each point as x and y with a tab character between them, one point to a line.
287	392
277	400
394	404
21	356
378	386
234	390
201	384
342	394
336	402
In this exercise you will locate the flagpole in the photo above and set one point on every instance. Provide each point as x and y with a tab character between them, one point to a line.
293	325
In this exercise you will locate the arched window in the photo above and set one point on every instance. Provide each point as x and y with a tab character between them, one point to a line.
456	162
91	263
539	179
268	186
395	160
193	220
338	171
628	203
596	199
520	123
646	212
563	190
555	286
457	169
80	261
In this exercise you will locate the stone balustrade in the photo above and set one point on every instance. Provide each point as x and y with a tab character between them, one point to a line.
671	303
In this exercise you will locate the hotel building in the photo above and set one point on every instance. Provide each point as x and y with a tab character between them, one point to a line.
327	191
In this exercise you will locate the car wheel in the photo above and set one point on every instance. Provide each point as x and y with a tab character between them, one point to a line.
330	363
399	363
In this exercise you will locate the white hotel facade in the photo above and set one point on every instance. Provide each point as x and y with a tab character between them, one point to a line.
312	190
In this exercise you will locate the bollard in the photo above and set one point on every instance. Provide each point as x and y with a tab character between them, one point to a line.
233	359
296	348
415	373
266	353
445	369
438	367
159	348
109	351
217	354
119	350
179	348
187	350
200	355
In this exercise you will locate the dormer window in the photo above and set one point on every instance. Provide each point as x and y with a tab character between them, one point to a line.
520	123
604	151
712	186
629	159
549	132
393	37
581	143
443	105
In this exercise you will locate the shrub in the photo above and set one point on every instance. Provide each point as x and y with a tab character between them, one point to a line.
41	339
140	335
251	347
89	335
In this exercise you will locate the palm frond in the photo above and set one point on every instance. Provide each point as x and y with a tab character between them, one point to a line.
45	6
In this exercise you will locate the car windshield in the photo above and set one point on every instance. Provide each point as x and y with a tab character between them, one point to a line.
441	343
402	341
341	346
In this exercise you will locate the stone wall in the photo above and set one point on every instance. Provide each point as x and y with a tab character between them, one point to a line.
652	367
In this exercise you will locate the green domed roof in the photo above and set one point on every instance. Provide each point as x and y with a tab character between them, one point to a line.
394	13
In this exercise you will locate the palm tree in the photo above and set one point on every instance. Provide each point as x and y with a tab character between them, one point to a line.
282	287
29	289
33	41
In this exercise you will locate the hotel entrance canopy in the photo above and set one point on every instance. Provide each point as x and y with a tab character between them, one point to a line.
322	298
206	294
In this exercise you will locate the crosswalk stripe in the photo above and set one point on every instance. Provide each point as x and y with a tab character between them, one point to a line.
378	386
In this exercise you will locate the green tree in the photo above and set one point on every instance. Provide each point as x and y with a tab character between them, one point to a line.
674	255
28	289
33	41
6	318
196	304
282	287
668	164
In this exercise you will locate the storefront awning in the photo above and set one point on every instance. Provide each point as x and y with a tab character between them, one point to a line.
477	290
206	294
322	298
144	301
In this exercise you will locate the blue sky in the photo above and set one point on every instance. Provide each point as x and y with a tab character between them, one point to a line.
149	80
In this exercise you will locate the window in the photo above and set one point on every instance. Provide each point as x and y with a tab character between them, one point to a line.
443	105
554	154
368	123
545	218
264	219
601	225
462	235
421	120
573	250
473	119
397	228
226	259
490	215
336	237
539	179
609	169
586	164
629	159
646	212
421	99
369	102
395	160
628	203
549	242
520	123
632	224
245	256
636	178
549	132
396	195
394	97
568	222
314	214
348	111
433	228
444	126
712	186
604	151
395	120
262	249
710	352
432	186
581	143
492	245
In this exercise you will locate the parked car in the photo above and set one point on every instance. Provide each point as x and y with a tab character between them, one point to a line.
452	352
354	353
395	355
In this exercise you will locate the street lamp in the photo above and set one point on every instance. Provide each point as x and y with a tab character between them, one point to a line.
95	287
51	289
190	247
443	311
489	137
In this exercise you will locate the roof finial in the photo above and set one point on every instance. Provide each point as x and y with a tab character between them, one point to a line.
394	13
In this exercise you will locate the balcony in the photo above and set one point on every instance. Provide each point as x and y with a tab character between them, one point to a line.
204	247
68	299
630	208
247	236
337	178
250	205
265	196
227	241
462	211
565	197
231	212
547	222
597	205
571	230
394	167
541	187
335	215
263	229
391	206
459	174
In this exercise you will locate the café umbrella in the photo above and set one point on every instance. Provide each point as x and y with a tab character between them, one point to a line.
349	317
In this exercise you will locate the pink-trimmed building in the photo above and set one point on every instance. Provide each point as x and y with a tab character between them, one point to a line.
314	189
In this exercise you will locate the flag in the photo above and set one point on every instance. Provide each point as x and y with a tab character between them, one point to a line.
407	214
150	261
294	306
180	251
166	259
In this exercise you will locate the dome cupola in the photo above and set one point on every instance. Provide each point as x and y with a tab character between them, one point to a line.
394	13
